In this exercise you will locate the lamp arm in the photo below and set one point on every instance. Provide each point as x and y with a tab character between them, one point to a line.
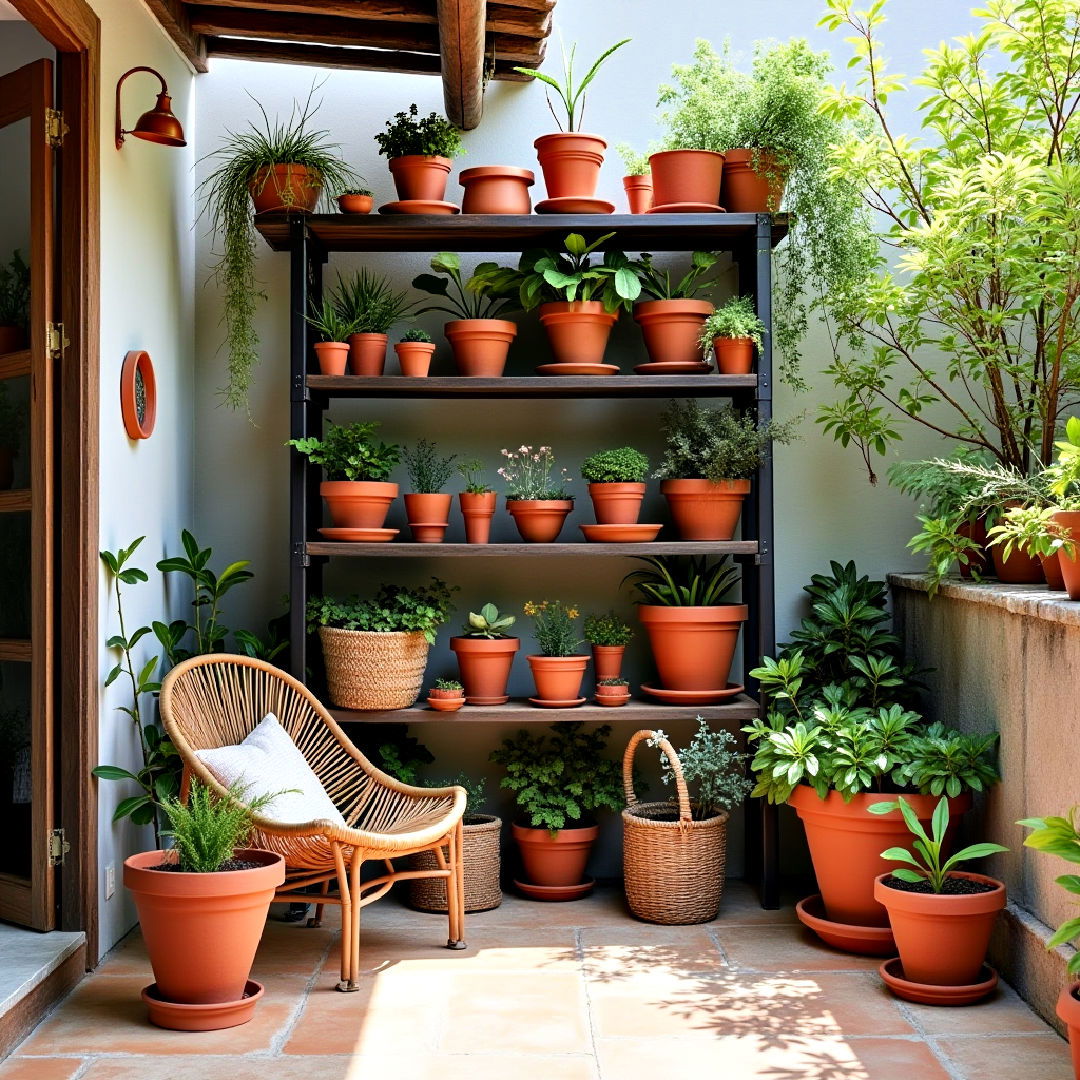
120	132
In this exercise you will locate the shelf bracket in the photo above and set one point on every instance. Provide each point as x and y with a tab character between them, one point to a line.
300	391
300	555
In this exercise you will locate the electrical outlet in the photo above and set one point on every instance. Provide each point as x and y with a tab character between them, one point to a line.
110	881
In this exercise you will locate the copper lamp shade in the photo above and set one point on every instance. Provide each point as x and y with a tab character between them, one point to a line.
159	125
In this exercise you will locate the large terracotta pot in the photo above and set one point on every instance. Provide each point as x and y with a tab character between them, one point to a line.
942	939
477	509
1070	564
617	503
496	189
1068	1009
607	663
846	842
571	162
367	354
418	176
429	516
558	678
201	930
734	355
578	332
1017	569
672	328
686	176
638	193
7	468
744	190
976	532
693	646
1051	567
484	664
12	338
539	521
358	504
332	356
558	859
480	346
279	188
703	510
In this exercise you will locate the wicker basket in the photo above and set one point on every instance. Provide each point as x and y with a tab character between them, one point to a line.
480	855
366	670
673	870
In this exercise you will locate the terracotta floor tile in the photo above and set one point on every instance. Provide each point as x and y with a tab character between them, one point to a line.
1019	1056
202	1067
621	951
785	948
502	1067
1004	1014
19	1068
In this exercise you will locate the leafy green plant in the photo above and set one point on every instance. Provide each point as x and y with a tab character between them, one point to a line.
659	285
561	779
612	682
328	322
690	581
624	465
1060	836
1031	530
12	420
416	334
472	472
474	794
713	770
369	303
475	298
488	622
394	609
607	629
401	755
350	452
735	319
634	163
527	473
448	684
554	627
356	191
15	292
409	133
429	471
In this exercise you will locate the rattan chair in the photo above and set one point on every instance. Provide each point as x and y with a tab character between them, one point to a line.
217	700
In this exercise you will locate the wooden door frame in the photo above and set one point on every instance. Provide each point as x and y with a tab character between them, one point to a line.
74	30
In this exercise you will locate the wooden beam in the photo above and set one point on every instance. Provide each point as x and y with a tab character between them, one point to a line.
15	650
461	41
172	15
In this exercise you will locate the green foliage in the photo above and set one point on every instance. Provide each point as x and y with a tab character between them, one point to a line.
474	791
735	319
328	322
485	295
429	471
658	284
690	581
416	334
612	682
356	191
472	472
607	629
1031	530
394	609
1060	836
527	473
560	780
369	303
488	623
554	627
401	755
410	133
350	452
634	164
448	684
12	420
926	857
624	465
713	770
15	292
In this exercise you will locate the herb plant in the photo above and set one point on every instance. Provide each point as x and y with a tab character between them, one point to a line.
613	682
622	466
488	622
735	319
607	629
634	164
448	684
370	303
395	609
527	473
690	581
409	133
475	298
350	452
659	285
1060	836
356	191
713	770
328	322
416	334
15	292
429	471
554	627
472	472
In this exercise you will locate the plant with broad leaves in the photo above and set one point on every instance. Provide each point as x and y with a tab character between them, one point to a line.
350	452
474	298
1060	836
660	285
488	623
693	581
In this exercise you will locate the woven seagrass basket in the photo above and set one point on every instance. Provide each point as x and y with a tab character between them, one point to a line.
480	856
673	871
366	670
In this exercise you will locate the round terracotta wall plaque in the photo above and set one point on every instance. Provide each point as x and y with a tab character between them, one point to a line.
138	394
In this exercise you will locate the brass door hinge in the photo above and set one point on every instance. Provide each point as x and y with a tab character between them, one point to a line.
55	128
58	847
56	341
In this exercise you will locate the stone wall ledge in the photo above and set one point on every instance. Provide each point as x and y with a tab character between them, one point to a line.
1035	601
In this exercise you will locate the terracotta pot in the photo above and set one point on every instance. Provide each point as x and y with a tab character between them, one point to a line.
275	189
429	515
558	678
201	930
367	353
672	328
484	664
686	176
607	661
332	356
744	190
703	510
638	193
415	357
7	468
612	697
571	162
692	647
1070	564
12	338
977	560
1017	569
1068	1009
477	510
616	503
445	704
1051	566
355	204
578	332
358	504
942	939
539	521
417	176
846	842
496	189
480	346
558	859
734	355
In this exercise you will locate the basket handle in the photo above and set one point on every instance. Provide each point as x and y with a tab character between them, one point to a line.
685	815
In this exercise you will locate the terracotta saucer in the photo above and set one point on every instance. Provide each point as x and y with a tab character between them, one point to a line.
687	208
674	367
420	206
578	369
569	703
864	940
555	892
691	697
573	204
610	701
225	1014
442	704
928	994
360	536
620	534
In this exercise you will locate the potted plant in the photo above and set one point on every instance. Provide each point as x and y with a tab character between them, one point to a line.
477	502
373	306
537	503
280	166
671	321
612	693
637	183
608	635
560	781
419	149
206	897
447	695
1035	531
355	467
1064	479
496	189
479	340
732	333
558	668
332	350
376	650
427	506
616	481
571	159
11	429
356	200
941	918
709	457
414	353
485	654
14	304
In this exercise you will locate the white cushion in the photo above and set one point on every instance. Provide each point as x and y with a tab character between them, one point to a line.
267	761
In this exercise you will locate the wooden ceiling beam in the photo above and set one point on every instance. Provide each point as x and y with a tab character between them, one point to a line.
173	16
462	46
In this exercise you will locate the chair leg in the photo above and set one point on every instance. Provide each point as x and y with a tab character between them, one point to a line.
345	889
455	890
354	918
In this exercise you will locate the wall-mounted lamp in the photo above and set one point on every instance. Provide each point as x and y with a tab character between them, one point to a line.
159	124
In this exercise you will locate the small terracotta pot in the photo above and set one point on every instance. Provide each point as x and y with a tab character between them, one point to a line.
672	328
477	510
558	859
977	560
744	190
616	503
734	355
703	510
539	521
1017	569
1070	564
692	647
332	356
417	176
367	354
571	162
1051	565
7	468
607	661
480	346
942	939
355	204
638	193
358	504
12	338
578	332
686	176
445	700
612	697
429	515
278	188
484	664
496	189
558	678
1068	1010
415	357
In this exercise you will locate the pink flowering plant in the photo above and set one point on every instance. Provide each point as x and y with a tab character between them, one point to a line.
528	474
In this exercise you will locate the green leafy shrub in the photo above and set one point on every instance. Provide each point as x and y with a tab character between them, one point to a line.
713	770
394	609
622	466
416	334
690	581
659	285
429	471
409	133
488	623
607	629
634	164
369	303
735	319
554	626
350	452
475	789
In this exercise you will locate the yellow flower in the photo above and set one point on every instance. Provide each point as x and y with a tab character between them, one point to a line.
530	608
572	613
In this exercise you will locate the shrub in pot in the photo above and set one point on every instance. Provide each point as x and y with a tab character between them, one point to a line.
373	306
355	201
534	499
419	149
485	654
608	635
14	303
671	320
616	480
427	506
332	348
11	430
637	183
558	668
447	695
414	353
612	693
732	333
477	501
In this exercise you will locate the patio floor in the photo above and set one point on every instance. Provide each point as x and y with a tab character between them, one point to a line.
576	991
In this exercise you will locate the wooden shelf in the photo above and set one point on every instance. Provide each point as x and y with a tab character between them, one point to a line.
15	649
407	549
15	502
14	364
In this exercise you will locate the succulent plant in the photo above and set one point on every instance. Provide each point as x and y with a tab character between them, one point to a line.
488	623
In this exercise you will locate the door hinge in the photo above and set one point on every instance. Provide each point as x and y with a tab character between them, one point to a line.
55	128
56	341
58	847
